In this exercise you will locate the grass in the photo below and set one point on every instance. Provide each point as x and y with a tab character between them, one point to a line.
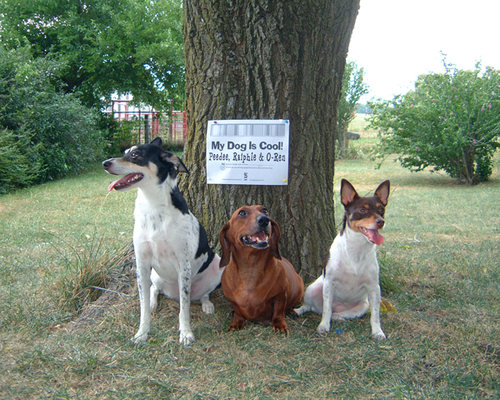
359	124
441	249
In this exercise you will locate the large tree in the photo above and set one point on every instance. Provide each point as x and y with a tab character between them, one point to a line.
256	59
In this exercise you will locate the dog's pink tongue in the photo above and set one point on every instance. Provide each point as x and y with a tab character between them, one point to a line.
113	184
375	237
123	181
259	237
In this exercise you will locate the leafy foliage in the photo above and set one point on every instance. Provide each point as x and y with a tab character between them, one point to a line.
46	134
353	88
124	136
103	46
17	167
450	122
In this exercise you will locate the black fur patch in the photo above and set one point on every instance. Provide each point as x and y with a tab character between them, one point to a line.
179	201
325	263
204	248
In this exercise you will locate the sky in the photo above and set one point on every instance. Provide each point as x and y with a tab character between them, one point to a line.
395	41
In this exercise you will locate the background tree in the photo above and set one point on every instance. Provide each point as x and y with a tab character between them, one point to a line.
277	60
450	122
353	88
104	46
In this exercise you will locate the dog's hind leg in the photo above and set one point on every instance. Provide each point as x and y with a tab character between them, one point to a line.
302	310
313	298
153	298
186	335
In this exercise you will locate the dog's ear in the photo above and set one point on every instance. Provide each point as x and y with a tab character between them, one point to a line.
347	192
226	248
179	165
275	237
157	141
383	192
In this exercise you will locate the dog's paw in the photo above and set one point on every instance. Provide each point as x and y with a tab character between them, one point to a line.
140	337
323	329
153	305
280	326
236	326
301	310
378	335
186	338
207	307
337	317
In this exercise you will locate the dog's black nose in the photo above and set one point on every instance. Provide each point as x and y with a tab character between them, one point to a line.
106	164
380	223
263	221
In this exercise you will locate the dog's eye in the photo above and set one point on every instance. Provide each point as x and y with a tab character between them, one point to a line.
362	210
265	211
134	154
381	210
242	213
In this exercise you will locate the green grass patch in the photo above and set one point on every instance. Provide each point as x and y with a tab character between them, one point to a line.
440	255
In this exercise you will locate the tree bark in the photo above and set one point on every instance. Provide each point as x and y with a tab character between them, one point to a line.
256	59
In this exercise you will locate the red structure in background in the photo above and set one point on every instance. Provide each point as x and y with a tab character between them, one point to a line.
151	123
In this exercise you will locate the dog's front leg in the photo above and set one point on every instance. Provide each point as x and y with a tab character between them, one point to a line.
324	326
279	322
144	256
186	335
374	295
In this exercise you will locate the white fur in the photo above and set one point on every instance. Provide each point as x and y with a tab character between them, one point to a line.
165	244
350	284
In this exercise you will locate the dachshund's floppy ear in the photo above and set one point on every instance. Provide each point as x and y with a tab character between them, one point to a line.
226	248
275	237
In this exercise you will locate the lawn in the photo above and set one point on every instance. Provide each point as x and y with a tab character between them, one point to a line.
441	254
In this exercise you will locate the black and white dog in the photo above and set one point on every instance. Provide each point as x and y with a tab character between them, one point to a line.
170	244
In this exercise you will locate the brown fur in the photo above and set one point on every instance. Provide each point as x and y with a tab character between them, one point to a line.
260	284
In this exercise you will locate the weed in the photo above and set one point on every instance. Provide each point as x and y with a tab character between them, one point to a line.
87	271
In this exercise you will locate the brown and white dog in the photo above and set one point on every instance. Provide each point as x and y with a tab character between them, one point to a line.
260	284
349	285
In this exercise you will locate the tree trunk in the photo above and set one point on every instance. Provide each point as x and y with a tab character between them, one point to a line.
256	59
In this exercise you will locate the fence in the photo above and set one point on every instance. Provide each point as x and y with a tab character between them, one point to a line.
149	123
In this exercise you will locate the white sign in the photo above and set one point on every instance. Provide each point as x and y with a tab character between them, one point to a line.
248	152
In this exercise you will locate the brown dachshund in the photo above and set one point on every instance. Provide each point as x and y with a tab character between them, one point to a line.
260	284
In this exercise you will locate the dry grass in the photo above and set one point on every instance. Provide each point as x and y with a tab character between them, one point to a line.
442	249
358	125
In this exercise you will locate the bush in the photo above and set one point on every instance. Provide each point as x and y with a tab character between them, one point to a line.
17	168
450	122
47	134
67	134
